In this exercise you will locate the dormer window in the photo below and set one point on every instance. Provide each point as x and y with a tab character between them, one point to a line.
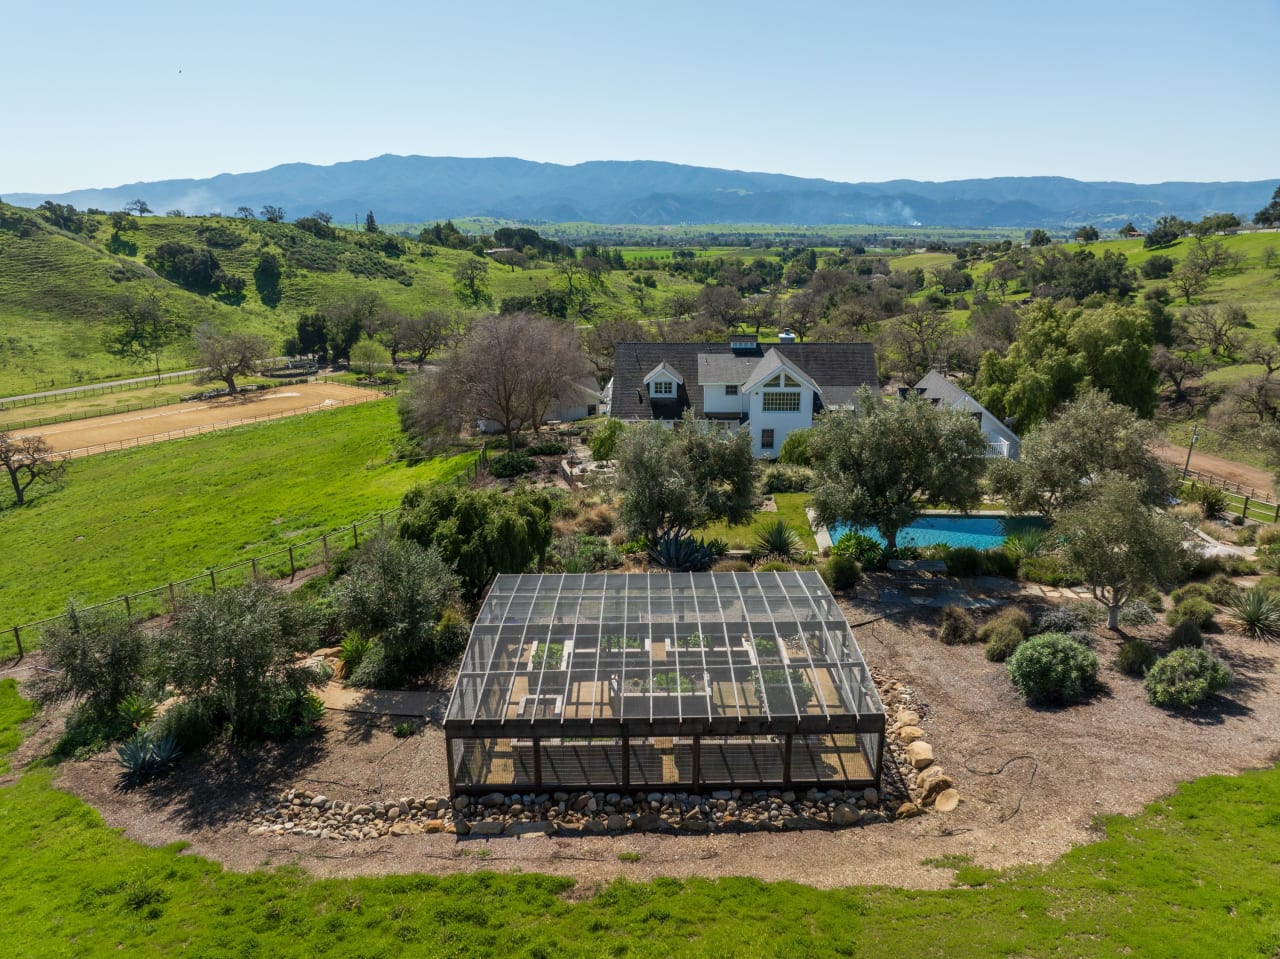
663	388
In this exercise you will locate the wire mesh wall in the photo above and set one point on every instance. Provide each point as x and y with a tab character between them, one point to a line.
689	678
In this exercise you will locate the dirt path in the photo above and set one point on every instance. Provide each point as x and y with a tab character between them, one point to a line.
1032	780
1248	476
117	430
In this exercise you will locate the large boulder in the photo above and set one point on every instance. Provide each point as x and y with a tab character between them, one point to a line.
920	754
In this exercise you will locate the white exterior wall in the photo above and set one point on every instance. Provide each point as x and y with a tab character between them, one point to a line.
781	423
714	400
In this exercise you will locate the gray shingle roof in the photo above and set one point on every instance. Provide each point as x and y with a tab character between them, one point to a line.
839	369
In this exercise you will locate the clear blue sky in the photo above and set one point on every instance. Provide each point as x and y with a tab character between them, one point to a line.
98	95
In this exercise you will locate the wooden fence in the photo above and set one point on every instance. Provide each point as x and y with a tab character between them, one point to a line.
279	565
1240	499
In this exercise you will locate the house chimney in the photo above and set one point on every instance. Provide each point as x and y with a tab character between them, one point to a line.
786	336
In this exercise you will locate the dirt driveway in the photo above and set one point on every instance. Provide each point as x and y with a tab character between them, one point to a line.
1248	476
115	431
1032	780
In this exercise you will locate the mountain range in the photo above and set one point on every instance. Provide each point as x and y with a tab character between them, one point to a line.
418	188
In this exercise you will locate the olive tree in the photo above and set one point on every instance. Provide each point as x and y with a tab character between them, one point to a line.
1121	546
238	649
95	658
396	593
674	480
879	463
1088	438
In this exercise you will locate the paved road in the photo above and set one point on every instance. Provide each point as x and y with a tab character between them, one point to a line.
72	390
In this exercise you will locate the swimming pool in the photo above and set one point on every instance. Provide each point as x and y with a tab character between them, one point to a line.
980	532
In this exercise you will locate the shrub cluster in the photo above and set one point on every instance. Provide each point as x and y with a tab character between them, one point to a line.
1185	678
957	627
1186	634
1049	571
507	465
784	478
840	572
1052	668
1002	640
1135	658
866	551
1193	609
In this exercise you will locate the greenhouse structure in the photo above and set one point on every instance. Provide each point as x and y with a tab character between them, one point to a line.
690	681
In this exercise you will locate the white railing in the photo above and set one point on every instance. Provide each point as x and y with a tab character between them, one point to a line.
998	448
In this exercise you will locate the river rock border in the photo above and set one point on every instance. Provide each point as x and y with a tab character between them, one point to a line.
913	783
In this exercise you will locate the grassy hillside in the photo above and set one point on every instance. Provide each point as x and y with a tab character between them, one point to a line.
1196	875
133	520
59	291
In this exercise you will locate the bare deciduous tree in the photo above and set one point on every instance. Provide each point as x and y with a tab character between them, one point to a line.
28	460
510	370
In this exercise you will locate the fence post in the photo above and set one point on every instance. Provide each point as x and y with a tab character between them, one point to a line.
255	567
128	607
324	544
382	521
173	599
213	580
17	638
293	570
355	535
1244	510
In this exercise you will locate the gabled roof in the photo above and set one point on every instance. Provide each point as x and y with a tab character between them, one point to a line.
663	369
935	386
773	364
721	368
839	370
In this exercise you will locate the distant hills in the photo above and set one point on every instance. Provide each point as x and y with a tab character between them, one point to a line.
417	188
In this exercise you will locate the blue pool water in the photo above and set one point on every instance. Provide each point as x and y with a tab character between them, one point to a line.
980	532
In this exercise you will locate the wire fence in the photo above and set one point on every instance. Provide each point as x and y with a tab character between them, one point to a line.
281	565
131	442
71	393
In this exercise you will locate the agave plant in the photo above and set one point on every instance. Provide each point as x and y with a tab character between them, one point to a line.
777	540
144	757
1213	501
1255	613
681	554
136	711
1024	543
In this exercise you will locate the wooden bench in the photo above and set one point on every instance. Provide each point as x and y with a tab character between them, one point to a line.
917	567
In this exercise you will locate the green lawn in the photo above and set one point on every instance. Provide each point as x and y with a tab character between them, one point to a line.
790	509
1196	875
129	521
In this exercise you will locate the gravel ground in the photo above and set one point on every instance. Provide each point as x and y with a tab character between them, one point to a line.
1031	780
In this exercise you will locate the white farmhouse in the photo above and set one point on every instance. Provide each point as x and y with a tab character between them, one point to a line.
767	389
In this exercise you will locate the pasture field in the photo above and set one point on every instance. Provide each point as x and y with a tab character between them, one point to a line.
1195	875
128	521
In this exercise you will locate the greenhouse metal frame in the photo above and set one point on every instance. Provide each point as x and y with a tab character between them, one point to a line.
635	681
